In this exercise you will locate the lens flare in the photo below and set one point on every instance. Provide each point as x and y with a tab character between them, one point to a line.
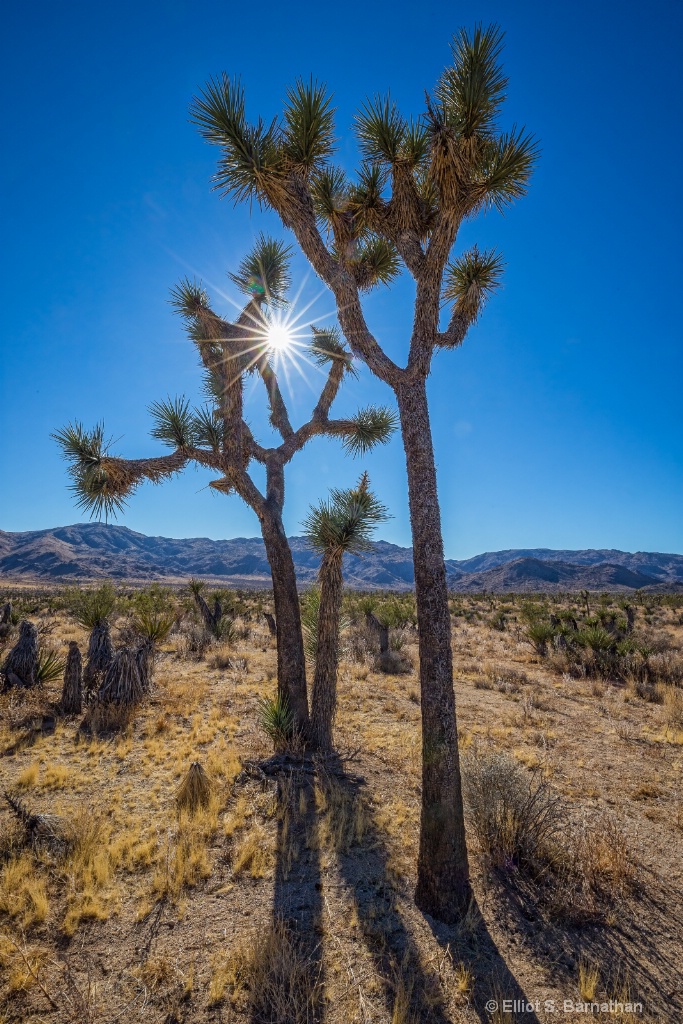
280	338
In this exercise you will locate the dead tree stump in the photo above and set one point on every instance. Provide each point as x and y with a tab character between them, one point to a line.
72	691
5	620
122	683
21	665
381	630
100	655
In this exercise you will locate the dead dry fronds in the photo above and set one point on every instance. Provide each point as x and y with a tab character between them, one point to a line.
195	790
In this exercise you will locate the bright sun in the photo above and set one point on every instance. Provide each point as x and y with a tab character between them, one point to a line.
279	337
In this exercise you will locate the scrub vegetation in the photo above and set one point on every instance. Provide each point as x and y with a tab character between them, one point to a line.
168	866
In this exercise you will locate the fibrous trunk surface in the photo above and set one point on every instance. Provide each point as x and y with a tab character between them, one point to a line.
443	888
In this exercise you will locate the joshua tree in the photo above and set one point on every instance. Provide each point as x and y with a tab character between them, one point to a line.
417	182
344	524
218	437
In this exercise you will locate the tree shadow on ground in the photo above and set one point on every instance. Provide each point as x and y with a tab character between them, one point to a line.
292	980
388	937
628	952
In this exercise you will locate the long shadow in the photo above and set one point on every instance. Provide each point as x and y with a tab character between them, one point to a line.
629	953
390	941
293	992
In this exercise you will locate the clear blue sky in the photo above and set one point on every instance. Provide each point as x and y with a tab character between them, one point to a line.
558	424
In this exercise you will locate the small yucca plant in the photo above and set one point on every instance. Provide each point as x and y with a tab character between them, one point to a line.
153	625
276	719
50	667
92	607
539	634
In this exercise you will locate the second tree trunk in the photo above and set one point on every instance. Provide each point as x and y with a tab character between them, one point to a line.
443	887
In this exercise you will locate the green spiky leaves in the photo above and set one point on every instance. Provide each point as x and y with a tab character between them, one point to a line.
308	129
471	278
190	299
472	90
347	521
263	274
249	152
385	136
257	157
330	193
371	426
376	262
327	347
173	422
84	451
208	429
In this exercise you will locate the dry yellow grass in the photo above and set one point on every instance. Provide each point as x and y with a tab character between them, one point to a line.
186	908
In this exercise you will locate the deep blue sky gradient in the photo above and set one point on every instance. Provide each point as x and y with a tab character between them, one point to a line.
558	424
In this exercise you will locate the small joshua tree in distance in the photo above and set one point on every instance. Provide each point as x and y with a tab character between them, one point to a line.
342	525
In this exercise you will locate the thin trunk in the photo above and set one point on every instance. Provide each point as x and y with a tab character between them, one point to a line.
291	660
443	887
324	697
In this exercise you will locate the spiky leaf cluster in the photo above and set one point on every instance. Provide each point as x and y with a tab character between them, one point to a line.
327	347
174	423
263	274
371	426
471	278
347	521
84	451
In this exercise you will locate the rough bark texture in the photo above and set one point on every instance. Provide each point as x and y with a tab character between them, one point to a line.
443	887
21	666
100	654
324	696
122	683
291	660
72	691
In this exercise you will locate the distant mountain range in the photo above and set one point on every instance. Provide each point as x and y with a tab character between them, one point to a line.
91	551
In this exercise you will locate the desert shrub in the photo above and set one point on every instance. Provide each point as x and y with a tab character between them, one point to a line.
539	634
532	611
192	641
507	680
225	630
393	663
591	869
498	620
579	867
514	814
360	643
398	638
50	666
102	719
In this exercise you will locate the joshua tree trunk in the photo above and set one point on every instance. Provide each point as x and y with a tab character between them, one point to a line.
324	697
443	887
291	660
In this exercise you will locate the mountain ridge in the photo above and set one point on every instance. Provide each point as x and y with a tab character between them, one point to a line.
91	551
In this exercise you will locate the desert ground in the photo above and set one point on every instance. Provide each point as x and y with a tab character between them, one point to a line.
288	896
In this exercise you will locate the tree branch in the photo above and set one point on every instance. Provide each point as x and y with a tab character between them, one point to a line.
298	214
